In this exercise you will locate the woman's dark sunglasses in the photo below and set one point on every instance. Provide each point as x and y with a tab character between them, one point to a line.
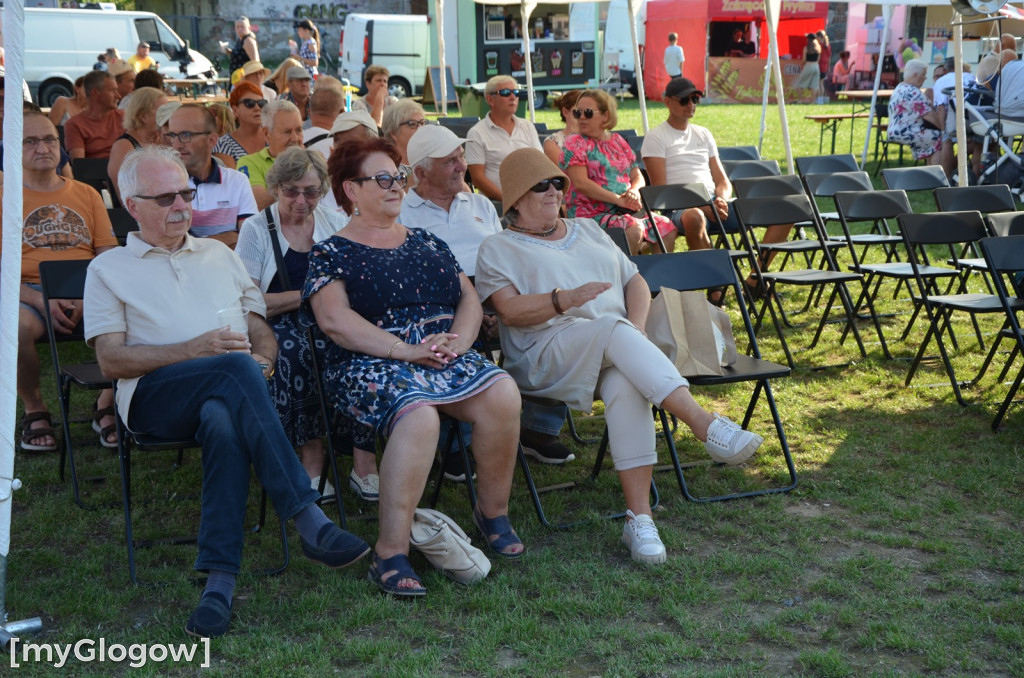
694	98
385	180
587	113
167	199
249	103
542	187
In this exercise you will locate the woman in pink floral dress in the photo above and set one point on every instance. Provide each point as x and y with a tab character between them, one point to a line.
605	176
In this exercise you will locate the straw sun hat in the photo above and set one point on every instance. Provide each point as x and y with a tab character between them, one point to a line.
520	171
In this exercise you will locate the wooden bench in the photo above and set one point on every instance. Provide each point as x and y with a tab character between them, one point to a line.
830	121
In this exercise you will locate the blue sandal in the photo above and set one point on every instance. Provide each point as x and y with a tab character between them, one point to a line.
499	535
387	572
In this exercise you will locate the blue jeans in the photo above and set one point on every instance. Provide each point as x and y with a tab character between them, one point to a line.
223	402
542	418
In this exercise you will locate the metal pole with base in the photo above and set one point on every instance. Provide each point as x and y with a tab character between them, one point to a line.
15	629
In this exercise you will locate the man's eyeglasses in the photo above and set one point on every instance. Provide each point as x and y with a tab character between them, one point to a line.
183	137
32	142
167	199
385	180
505	92
291	193
542	187
415	124
587	113
249	103
693	98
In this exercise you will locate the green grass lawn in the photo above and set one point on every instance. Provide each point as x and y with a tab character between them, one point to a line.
899	553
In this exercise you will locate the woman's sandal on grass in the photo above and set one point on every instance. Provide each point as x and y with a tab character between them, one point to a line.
28	434
386	573
499	535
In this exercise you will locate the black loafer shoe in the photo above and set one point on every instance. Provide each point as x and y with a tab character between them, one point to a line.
335	547
211	618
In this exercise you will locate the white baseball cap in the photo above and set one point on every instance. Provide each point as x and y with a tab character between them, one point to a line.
432	141
351	120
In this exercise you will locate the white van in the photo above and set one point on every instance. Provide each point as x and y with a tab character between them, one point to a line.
618	39
394	41
62	44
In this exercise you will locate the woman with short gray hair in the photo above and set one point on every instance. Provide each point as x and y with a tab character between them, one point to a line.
140	129
401	120
296	220
912	119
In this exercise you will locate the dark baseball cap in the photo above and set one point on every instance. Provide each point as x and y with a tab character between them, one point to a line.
681	87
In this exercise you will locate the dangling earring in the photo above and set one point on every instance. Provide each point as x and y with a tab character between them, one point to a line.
355	210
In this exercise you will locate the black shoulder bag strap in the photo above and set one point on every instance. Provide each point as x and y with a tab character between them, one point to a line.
317	139
282	272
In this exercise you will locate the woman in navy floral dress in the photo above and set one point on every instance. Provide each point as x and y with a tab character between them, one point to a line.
403	316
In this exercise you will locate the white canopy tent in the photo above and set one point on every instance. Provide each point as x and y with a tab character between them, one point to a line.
527	7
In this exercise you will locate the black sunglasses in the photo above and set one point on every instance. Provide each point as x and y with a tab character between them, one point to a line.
249	103
587	113
693	98
167	199
542	187
506	92
385	180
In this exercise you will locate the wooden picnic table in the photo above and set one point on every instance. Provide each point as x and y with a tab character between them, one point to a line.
860	100
831	122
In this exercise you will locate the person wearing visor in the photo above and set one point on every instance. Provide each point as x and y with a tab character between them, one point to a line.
498	134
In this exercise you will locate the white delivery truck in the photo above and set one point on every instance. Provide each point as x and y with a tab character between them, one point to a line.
62	44
619	41
398	42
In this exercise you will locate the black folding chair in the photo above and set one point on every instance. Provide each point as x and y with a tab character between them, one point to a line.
671	197
1005	257
66	280
122	222
827	186
952	230
762	212
460	126
985	199
711	269
738	153
93	171
826	164
745	169
911	179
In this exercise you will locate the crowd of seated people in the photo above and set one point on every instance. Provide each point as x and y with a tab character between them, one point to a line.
370	238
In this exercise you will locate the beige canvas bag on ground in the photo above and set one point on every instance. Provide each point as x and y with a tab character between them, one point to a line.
447	548
695	334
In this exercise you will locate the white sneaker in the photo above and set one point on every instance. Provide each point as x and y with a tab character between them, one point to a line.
727	443
328	488
641	536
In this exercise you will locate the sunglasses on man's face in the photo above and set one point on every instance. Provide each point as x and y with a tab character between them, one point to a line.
587	113
249	103
692	98
542	187
506	92
167	199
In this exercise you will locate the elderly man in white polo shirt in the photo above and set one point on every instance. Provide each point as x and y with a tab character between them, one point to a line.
497	135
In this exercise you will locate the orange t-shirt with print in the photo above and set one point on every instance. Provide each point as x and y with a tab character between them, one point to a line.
69	223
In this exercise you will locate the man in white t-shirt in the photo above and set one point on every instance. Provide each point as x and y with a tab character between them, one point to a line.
940	100
674	57
679	152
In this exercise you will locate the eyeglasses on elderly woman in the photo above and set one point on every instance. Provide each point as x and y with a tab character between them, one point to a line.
385	180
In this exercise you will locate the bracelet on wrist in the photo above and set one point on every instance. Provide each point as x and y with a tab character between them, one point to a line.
554	301
393	347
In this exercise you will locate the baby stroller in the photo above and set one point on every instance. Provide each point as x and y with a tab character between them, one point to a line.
1000	125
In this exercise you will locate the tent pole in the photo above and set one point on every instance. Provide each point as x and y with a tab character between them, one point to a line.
771	10
634	6
528	8
961	119
887	15
10	271
439	11
768	72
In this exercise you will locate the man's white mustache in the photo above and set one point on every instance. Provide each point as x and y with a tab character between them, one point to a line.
175	217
